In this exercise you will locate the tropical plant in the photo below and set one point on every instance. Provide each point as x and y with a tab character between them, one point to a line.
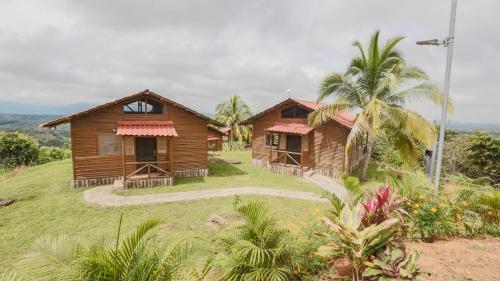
132	258
348	238
394	264
259	250
372	84
351	198
381	205
232	113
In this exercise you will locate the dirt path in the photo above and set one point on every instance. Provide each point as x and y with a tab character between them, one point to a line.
103	195
461	259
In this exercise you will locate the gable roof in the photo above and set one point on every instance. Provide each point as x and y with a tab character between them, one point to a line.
344	118
145	93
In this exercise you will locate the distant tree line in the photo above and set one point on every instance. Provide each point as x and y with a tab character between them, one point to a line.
17	149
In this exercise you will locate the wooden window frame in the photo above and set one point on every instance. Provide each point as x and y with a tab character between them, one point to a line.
145	110
113	152
270	138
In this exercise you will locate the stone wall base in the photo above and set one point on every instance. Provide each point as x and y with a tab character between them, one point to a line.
294	171
150	182
287	170
327	173
191	173
94	182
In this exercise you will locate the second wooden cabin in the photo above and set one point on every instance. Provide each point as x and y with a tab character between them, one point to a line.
284	142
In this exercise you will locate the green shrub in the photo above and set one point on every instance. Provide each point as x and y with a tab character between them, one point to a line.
17	150
49	154
483	152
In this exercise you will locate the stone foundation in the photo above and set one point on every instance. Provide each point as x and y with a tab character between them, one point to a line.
94	182
191	173
142	183
327	173
293	171
287	170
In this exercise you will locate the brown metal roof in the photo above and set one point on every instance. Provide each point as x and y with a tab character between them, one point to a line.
344	118
290	128
146	128
146	93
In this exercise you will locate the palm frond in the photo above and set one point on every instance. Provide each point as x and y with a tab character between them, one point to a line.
328	112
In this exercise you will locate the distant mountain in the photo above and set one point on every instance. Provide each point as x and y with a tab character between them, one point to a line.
471	127
27	108
28	124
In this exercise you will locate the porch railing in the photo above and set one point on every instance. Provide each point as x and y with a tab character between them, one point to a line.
285	155
149	166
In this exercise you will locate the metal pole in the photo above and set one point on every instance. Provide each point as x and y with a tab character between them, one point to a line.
442	129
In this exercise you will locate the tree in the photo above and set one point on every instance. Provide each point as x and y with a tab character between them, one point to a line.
483	154
17	149
372	84
232	112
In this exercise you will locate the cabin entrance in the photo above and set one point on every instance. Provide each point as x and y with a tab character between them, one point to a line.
145	151
293	144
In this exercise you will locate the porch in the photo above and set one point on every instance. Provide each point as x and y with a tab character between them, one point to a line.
288	148
147	153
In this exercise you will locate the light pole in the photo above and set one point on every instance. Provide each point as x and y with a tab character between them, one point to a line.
448	42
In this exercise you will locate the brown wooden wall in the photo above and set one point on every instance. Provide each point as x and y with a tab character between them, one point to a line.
189	149
325	144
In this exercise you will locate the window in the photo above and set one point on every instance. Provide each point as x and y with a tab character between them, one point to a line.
109	144
272	139
144	106
295	112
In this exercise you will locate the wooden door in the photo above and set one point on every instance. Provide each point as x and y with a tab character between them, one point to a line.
293	144
145	151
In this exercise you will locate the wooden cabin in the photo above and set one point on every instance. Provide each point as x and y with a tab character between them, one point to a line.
284	142
215	138
141	140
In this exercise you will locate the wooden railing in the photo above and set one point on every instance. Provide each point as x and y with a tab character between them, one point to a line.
284	154
149	166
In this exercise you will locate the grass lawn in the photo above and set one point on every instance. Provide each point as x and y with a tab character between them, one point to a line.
222	174
46	205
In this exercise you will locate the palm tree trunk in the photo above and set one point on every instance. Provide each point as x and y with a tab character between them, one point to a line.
231	139
369	150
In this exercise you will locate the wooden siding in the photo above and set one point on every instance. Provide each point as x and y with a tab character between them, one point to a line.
189	149
329	146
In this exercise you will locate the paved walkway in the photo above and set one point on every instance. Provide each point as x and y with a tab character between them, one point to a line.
326	183
103	195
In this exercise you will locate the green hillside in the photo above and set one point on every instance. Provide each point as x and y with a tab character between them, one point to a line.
29	125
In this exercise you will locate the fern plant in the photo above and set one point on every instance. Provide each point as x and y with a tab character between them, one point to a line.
132	258
259	250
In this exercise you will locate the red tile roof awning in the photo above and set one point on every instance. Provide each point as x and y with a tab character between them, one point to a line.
290	128
146	128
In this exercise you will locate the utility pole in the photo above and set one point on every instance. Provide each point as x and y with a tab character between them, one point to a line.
442	129
448	42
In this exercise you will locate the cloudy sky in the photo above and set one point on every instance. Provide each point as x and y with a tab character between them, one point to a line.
200	52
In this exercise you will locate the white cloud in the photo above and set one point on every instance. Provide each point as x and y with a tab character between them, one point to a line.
200	52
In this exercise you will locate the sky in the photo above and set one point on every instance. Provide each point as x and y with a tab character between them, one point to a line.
199	53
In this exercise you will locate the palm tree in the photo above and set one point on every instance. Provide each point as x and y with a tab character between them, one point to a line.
232	112
260	250
372	85
132	259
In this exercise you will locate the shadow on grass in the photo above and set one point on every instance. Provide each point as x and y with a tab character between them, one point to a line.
189	181
220	168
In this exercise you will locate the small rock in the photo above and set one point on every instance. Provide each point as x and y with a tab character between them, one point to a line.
6	202
214	218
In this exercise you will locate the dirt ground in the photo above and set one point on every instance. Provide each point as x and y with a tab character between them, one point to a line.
461	259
